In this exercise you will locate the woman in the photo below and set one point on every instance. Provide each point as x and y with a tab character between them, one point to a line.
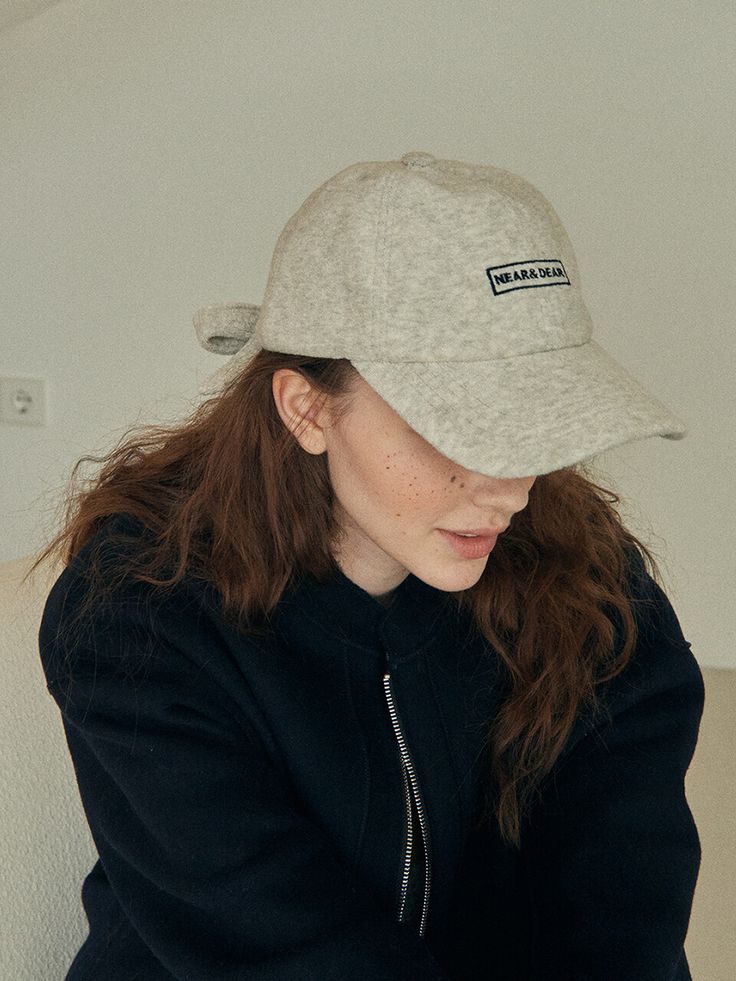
361	674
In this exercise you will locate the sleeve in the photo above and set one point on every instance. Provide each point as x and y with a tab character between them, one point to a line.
196	828
612	852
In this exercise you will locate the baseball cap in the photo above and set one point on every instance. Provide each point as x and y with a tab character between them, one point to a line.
453	289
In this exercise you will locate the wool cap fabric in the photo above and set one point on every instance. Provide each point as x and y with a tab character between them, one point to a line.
453	289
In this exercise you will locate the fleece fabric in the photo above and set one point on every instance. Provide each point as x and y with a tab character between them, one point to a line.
249	794
454	291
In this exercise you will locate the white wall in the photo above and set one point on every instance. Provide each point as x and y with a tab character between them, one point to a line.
152	150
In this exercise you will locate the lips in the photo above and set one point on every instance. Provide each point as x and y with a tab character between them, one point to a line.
479	532
469	548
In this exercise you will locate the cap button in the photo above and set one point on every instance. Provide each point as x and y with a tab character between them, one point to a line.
417	158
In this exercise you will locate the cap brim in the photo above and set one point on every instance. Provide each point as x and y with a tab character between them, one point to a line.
525	415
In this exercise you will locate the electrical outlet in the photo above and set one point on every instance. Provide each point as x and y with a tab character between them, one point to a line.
23	401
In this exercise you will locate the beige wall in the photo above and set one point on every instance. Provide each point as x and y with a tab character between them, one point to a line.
152	150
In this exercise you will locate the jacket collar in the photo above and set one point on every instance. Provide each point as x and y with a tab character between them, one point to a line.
341	610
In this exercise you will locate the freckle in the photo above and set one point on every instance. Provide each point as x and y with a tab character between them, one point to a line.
454	477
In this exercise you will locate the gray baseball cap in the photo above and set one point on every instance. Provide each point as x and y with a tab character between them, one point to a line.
453	289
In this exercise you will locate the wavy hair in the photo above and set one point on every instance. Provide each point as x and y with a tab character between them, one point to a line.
230	497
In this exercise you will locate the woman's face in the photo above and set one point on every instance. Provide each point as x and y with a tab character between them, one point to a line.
394	490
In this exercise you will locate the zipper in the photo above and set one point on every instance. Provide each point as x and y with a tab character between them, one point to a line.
411	784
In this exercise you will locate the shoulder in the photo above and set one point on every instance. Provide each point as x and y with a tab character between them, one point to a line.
657	621
140	644
81	626
662	674
662	655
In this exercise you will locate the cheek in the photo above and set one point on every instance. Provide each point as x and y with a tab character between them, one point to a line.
413	481
391	472
373	481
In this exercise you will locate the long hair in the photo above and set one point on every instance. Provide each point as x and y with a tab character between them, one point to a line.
229	496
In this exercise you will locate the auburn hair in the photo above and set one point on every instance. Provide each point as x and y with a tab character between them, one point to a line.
228	495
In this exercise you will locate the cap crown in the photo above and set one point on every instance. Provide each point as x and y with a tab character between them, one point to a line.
423	259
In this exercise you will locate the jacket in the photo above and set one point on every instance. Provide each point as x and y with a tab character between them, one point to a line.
300	806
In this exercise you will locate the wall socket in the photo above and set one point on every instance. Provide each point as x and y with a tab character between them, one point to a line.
23	401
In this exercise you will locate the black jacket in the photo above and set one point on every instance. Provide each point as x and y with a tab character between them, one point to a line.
250	797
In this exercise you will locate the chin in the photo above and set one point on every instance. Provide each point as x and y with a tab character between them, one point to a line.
454	580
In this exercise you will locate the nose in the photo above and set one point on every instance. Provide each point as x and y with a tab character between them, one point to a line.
504	496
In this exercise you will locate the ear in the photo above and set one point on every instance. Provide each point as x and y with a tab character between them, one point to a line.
300	409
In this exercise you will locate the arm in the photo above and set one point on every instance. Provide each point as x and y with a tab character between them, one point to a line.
195	826
613	853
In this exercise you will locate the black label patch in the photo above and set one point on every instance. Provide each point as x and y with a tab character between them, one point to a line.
525	275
